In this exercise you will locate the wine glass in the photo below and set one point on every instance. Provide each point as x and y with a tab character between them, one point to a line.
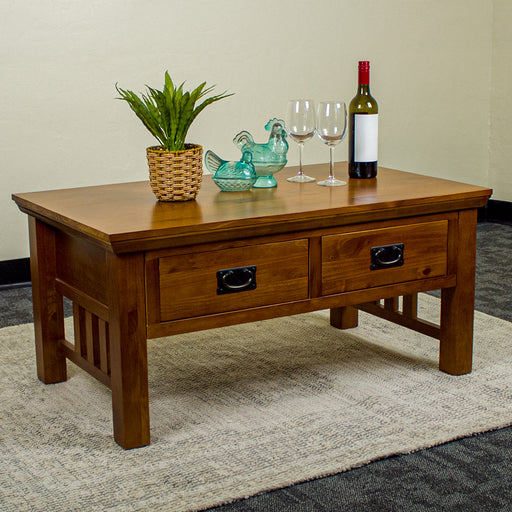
331	129
300	126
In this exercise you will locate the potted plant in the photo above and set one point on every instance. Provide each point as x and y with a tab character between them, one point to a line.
175	167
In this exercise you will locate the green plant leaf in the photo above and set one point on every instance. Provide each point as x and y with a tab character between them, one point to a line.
198	91
187	107
168	82
168	114
160	110
209	101
142	112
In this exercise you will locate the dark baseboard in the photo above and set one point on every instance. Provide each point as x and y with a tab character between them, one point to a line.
14	272
17	272
496	211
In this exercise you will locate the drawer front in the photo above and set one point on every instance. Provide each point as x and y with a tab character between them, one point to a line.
194	284
377	257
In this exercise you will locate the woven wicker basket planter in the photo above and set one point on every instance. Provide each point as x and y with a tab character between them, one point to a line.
175	175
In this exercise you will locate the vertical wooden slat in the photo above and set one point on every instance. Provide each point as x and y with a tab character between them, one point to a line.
104	347
92	338
410	305
80	331
89	336
76	328
391	304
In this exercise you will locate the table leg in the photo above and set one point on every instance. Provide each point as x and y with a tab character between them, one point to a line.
128	349
47	303
344	318
457	304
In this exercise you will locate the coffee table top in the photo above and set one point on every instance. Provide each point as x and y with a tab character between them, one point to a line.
126	217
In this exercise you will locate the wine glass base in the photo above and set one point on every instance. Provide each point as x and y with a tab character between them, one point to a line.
301	178
331	183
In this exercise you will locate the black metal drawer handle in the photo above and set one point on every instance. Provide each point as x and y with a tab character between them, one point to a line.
234	280
387	256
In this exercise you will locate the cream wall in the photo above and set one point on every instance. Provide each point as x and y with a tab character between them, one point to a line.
61	127
500	172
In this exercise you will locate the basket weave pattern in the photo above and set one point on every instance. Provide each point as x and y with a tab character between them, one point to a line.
175	175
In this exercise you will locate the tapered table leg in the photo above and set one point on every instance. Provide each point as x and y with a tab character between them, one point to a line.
457	304
344	317
128	349
47	303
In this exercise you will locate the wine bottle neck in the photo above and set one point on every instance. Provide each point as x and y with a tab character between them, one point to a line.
364	75
364	89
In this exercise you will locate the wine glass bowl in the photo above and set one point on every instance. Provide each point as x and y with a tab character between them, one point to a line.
300	127
331	130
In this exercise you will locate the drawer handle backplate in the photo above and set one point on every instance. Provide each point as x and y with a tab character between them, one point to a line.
387	256
234	280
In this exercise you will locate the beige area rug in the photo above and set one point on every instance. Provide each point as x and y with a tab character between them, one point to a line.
240	410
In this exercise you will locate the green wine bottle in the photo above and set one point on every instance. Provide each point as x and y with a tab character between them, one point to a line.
363	128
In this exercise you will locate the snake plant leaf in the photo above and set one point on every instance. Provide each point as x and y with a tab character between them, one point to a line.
209	101
169	113
159	109
207	91
198	91
141	111
155	115
186	114
179	90
168	85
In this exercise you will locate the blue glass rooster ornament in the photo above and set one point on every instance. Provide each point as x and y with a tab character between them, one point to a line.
264	160
267	158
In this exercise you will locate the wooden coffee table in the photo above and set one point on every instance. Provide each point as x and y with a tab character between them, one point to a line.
136	268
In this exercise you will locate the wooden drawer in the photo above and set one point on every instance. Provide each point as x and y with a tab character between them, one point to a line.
188	284
347	258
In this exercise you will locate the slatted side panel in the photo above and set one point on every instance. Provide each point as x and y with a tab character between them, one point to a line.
403	311
91	339
88	347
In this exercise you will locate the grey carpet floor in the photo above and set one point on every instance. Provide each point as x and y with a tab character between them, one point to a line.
471	474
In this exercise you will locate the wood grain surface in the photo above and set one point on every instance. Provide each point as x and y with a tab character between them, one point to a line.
127	217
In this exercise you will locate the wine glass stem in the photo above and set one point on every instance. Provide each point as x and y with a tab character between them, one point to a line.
301	147
331	171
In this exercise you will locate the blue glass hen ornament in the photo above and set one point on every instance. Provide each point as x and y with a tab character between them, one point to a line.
231	176
267	158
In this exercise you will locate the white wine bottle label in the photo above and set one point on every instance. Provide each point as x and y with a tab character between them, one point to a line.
366	136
